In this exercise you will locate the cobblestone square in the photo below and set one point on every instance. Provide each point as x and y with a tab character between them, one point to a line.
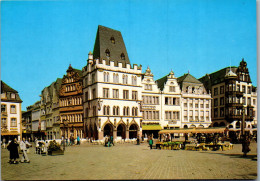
129	161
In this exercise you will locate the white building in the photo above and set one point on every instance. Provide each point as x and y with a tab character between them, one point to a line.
11	113
196	103
112	89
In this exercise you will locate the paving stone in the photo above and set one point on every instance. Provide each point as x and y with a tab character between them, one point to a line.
128	161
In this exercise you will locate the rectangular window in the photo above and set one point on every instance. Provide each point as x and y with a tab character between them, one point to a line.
4	123
196	105
86	96
93	78
248	101
244	100
115	93
254	101
202	105
94	93
166	100
3	95
13	122
222	101
105	92
222	112
216	112
13	109
191	105
148	87
244	89
222	89
215	91
12	95
207	105
125	94
185	105
238	87
216	102
3	108
172	89
249	90
134	95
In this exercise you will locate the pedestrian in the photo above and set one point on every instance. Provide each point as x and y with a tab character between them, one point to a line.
138	140
78	140
23	146
4	141
13	149
151	143
245	145
112	140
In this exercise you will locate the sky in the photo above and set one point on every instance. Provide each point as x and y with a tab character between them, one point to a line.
39	39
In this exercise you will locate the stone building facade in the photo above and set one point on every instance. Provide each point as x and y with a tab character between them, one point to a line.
232	91
112	89
70	104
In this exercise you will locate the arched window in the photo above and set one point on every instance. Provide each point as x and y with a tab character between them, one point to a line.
117	113
107	53
112	39
136	111
104	110
114	110
124	111
133	111
122	56
128	111
108	108
105	76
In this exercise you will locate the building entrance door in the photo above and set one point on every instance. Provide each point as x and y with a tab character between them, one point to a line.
108	130
121	131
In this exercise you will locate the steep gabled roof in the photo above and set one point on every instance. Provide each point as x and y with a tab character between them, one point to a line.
6	88
216	77
104	42
188	78
161	82
9	91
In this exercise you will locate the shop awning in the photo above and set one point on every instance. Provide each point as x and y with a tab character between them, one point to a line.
9	133
202	130
151	127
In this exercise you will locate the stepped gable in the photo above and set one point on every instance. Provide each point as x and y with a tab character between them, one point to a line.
109	45
187	78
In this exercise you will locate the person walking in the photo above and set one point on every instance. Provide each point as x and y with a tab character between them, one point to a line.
78	140
23	147
112	140
151	143
13	149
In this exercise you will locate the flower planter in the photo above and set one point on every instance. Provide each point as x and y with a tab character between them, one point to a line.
56	152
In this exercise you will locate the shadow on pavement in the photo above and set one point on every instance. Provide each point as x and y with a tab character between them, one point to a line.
236	155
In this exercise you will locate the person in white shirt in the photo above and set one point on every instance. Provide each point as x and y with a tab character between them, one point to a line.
23	148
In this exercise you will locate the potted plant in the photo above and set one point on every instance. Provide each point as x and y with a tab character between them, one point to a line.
54	148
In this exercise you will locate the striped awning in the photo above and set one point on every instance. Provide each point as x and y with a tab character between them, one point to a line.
9	133
203	130
151	127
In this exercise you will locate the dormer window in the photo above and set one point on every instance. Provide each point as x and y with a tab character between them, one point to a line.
107	53
12	95
122	56
112	39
